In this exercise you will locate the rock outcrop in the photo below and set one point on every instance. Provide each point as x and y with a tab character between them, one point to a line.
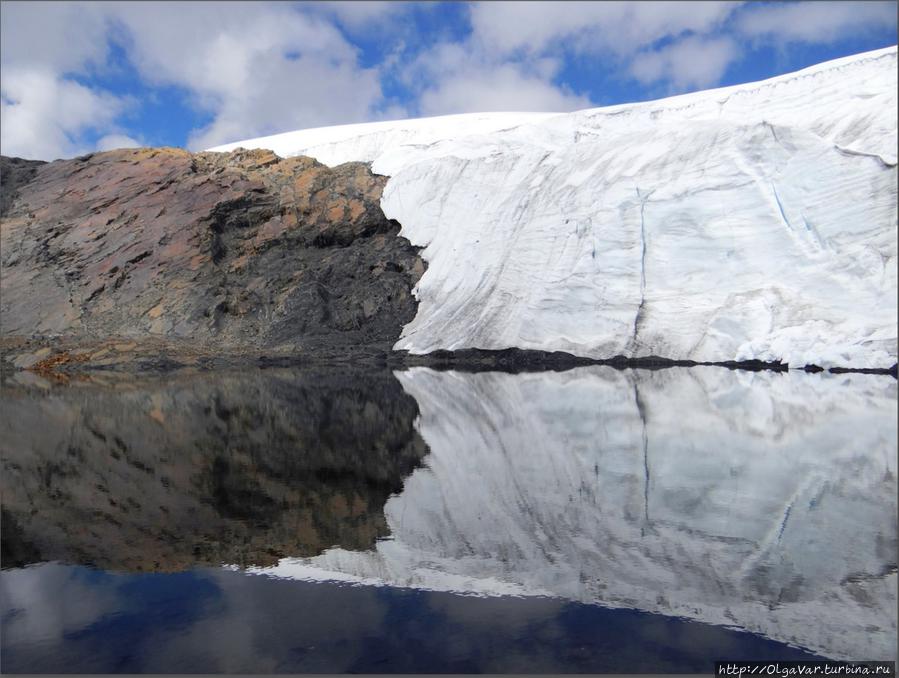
240	252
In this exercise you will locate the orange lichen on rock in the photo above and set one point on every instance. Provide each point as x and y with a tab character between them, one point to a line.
54	366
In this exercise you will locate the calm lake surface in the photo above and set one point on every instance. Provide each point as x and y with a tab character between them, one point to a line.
314	520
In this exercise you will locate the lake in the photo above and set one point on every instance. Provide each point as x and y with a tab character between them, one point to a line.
345	520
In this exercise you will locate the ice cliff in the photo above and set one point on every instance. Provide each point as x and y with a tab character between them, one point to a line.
750	222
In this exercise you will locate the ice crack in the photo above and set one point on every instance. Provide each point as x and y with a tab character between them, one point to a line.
638	317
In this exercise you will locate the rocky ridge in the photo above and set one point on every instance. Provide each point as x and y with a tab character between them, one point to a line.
141	253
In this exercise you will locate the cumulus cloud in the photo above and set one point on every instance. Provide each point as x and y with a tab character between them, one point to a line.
503	88
691	63
45	117
455	78
44	114
512	58
292	95
622	27
361	15
251	69
815	22
465	77
58	36
679	45
623	34
113	141
258	68
254	68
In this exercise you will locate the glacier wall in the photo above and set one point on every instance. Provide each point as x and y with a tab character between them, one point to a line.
749	500
751	222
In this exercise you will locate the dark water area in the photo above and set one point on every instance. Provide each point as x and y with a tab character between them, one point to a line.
207	620
335	520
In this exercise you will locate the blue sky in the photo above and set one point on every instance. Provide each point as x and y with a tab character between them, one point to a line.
78	77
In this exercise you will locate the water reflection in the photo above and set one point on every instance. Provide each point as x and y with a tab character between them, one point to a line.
62	618
168	474
760	501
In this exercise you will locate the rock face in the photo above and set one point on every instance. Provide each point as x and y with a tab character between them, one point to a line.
14	173
239	468
241	251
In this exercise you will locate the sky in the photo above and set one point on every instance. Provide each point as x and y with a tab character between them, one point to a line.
77	77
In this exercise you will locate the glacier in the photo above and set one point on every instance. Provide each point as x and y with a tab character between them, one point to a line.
757	221
770	508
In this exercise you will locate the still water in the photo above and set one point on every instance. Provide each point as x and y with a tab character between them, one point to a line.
314	520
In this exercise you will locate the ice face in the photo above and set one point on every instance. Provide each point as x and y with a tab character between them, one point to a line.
751	222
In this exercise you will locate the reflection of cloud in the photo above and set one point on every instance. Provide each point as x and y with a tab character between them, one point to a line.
227	621
62	618
255	627
42	604
58	617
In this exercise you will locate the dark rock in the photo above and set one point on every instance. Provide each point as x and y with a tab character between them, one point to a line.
14	173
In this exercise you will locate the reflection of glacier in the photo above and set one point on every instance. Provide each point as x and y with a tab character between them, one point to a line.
758	500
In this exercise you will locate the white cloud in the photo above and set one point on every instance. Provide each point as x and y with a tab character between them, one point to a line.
111	142
516	49
361	15
291	95
815	22
45	117
691	63
502	88
265	67
256	68
622	27
260	68
465	78
58	36
537	35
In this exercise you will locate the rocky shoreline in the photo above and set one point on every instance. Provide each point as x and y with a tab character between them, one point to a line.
67	361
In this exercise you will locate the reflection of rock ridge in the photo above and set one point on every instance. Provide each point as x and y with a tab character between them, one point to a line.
240	468
759	500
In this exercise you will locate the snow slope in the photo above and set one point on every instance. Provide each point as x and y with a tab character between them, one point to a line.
733	498
755	221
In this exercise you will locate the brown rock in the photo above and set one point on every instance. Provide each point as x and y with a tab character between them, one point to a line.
229	251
